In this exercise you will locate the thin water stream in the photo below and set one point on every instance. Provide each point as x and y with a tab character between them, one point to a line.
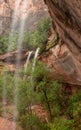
18	61
35	58
34	63
19	47
13	25
27	61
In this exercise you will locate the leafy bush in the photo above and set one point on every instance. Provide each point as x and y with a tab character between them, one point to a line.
64	110
39	36
61	124
72	103
32	122
47	88
4	43
74	110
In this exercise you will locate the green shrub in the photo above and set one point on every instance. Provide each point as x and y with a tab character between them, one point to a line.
32	122
48	89
72	103
39	36
4	43
74	110
61	124
43	90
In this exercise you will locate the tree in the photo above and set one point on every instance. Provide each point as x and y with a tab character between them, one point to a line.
45	85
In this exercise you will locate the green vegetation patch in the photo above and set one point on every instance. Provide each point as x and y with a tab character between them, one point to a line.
31	40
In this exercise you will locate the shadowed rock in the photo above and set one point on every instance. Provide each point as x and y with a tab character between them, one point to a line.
65	57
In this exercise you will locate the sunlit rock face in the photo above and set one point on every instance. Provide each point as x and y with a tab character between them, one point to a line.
7	125
65	57
32	13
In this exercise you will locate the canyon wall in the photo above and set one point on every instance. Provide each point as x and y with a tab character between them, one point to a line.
65	57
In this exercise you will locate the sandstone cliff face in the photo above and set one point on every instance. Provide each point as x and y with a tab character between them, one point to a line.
65	57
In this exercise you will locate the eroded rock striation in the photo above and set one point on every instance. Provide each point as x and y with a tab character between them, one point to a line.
65	57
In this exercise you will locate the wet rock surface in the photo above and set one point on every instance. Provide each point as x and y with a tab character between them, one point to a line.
63	64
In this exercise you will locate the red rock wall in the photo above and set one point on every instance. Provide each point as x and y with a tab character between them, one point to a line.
65	58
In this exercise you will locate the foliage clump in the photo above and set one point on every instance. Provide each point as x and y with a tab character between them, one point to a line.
5	44
40	36
39	87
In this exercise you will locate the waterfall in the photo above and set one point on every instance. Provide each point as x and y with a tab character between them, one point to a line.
27	61
13	26
11	35
35	57
26	64
21	32
22	25
13	23
34	63
19	47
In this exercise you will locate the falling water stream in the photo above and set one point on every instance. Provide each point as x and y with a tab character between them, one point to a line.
34	63
35	58
12	32
19	47
26	64
13	23
27	61
13	26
